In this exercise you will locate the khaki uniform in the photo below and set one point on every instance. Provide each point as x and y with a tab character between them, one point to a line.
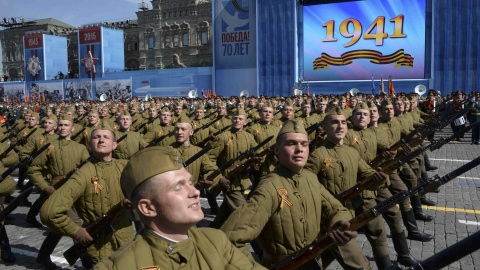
158	132
85	136
307	121
219	124
205	248
150	126
200	135
91	202
129	146
139	119
279	122
284	228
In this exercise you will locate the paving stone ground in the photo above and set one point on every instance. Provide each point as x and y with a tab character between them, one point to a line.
456	216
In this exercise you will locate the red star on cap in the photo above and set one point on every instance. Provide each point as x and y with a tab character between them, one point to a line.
90	62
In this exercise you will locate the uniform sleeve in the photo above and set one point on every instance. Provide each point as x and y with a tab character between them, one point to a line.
35	172
332	209
247	222
313	162
27	148
364	170
11	158
150	135
217	148
141	141
208	166
236	258
54	211
7	186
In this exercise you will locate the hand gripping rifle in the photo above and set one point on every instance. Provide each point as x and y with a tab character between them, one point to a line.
215	190
324	241
206	140
389	166
20	141
76	120
159	139
105	223
78	133
11	135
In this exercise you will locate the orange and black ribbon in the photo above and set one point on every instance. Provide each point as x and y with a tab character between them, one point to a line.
399	58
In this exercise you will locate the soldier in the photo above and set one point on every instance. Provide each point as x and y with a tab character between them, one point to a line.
221	119
197	122
162	129
169	206
134	141
228	145
287	114
342	103
136	116
321	109
92	190
285	201
177	111
153	119
61	157
306	118
93	122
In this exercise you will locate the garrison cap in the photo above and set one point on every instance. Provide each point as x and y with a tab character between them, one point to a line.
36	115
200	107
371	104
361	106
124	112
52	117
335	111
104	126
292	126
144	165
165	109
305	102
178	104
64	117
267	104
184	119
288	102
386	102
239	111
321	100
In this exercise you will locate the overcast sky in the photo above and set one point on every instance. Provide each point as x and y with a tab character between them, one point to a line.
74	13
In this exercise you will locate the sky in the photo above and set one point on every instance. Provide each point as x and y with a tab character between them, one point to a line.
75	13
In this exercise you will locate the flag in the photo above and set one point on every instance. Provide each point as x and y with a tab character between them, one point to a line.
214	93
391	91
382	90
293	91
373	87
34	97
43	96
309	91
203	93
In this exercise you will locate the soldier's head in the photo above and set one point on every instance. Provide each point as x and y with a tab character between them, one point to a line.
50	124
152	112
335	125
57	111
287	110
164	196
321	105
93	118
183	130
361	116
306	108
104	112
48	111
177	108
374	116
292	145
266	113
65	126
81	110
114	110
387	110
239	119
342	102
353	102
398	106
221	108
134	110
240	105
33	120
103	142
124	120
165	116
199	112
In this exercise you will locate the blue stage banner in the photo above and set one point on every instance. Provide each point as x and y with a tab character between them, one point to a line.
235	58
355	40
56	56
34	58
12	91
90	53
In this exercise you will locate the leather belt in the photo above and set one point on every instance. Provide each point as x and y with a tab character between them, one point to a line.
58	177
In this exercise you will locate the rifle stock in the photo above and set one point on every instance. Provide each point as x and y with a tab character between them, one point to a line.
77	134
206	140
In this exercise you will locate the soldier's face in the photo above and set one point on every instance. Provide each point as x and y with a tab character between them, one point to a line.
178	110
165	118
239	121
322	106
133	110
287	112
222	110
267	114
49	125
104	112
32	121
342	104
177	204
361	118
306	109
125	121
81	111
292	150
152	112
65	128
336	128
353	103
49	112
374	114
388	112
93	118
182	132
102	142
199	114
398	107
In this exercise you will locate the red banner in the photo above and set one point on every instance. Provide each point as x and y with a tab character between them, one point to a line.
35	41
91	35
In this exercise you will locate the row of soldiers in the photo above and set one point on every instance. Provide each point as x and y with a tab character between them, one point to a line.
292	197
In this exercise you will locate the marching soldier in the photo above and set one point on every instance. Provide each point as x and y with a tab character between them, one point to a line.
306	118
93	122
169	206
287	114
177	111
136	116
92	190
162	129
197	122
134	141
62	156
153	119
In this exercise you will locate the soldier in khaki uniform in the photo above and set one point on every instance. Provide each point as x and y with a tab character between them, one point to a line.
61	157
221	119
285	201
169	206
93	122
287	114
153	119
228	145
342	103
177	111
306	118
134	141
136	116
197	122
92	190
162	129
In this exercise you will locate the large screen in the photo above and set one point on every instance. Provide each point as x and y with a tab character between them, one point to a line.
360	39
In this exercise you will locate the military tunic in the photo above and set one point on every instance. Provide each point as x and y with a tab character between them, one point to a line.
129	146
85	136
201	134
158	132
92	191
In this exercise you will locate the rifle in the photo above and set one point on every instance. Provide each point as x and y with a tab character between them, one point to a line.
159	139
20	141
44	196
215	190
10	128
205	141
323	242
15	203
390	166
76	120
204	126
78	133
13	134
146	123
25	161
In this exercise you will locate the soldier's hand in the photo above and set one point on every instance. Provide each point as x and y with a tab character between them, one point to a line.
83	237
389	154
212	137
205	183
49	190
340	235
406	149
379	177
224	183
